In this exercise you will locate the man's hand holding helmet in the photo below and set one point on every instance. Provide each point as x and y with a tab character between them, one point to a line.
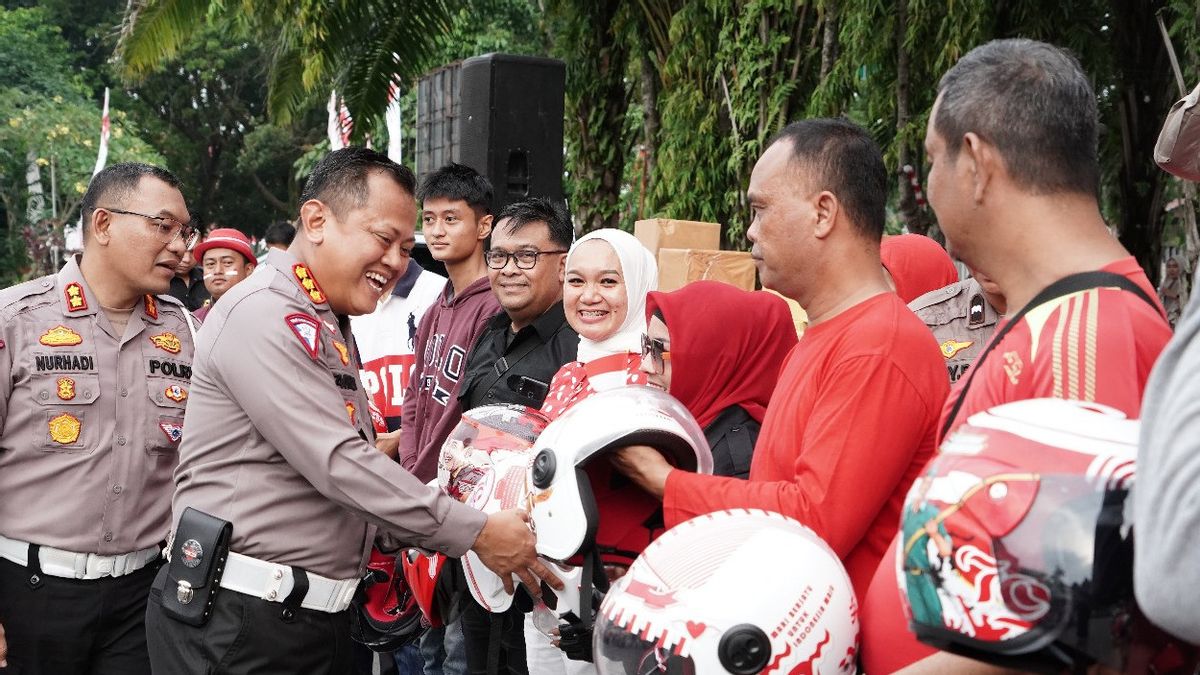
506	546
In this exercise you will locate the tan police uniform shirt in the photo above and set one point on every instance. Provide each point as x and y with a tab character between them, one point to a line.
962	321
280	441
90	421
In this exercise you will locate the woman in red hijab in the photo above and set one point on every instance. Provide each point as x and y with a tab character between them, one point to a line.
916	265
719	349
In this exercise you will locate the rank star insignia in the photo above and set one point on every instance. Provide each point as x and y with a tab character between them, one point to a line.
307	329
950	348
151	307
308	283
350	410
66	388
60	336
173	431
343	353
168	342
176	393
65	428
76	301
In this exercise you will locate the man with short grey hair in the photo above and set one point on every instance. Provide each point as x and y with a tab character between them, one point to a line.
1014	181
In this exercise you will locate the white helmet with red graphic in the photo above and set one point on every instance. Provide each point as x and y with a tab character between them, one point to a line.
1016	543
484	463
740	592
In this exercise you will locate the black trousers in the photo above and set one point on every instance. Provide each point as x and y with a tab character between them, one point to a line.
246	634
503	634
74	626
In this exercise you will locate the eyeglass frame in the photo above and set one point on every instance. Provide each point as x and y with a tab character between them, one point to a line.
656	350
487	258
194	236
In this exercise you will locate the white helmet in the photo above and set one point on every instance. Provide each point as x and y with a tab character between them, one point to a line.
571	491
743	592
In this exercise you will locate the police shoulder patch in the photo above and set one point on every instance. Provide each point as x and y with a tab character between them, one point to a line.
307	329
151	306
309	283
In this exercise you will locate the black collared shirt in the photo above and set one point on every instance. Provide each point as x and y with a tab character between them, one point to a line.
507	367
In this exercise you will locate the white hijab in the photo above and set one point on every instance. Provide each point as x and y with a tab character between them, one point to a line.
640	273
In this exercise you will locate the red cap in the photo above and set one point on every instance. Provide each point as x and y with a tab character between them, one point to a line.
225	237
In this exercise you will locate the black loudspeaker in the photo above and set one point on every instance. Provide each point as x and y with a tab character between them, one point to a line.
506	122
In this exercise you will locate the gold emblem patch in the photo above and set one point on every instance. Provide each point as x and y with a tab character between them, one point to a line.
60	336
350	410
342	352
308	283
950	348
168	342
66	388
76	301
176	393
65	429
151	307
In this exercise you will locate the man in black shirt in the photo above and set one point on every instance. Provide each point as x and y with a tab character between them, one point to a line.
513	362
522	347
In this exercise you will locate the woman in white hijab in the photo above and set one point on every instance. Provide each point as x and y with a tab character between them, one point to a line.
608	274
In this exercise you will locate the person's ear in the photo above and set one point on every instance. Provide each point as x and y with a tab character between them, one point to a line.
314	215
825	213
484	227
100	224
250	269
983	162
562	270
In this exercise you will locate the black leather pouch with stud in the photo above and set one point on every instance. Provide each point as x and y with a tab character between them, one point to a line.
198	553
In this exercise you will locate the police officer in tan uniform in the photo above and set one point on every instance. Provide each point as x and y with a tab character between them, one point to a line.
280	445
94	372
962	317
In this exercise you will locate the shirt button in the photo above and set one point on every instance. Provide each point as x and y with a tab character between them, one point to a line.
124	393
108	536
116	489
278	574
272	595
87	393
44	395
491	395
120	440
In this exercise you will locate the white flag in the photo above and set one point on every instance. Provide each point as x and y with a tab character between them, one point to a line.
102	155
394	127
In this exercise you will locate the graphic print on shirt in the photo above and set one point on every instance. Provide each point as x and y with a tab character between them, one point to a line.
446	367
386	379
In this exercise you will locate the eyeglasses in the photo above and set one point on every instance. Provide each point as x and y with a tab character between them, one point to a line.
166	230
525	260
655	350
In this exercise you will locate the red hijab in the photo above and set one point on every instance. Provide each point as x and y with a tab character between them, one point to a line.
917	264
727	346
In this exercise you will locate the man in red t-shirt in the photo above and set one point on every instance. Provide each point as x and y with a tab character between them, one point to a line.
1013	180
852	419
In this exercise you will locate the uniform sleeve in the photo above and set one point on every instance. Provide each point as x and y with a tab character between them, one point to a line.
293	401
6	367
1166	499
850	454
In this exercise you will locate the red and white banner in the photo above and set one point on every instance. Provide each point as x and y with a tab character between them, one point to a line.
102	155
340	123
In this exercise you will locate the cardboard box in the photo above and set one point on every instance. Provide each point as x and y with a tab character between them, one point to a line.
799	316
660	233
678	266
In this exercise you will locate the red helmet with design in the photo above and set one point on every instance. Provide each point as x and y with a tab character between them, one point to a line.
1016	543
385	613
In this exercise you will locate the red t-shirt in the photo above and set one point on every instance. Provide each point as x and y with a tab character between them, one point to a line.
1096	345
850	425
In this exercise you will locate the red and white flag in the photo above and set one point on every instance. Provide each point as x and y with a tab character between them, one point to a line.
340	123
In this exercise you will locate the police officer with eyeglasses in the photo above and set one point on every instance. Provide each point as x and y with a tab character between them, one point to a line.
94	376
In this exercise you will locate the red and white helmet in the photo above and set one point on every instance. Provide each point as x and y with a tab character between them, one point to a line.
1016	543
385	615
744	591
485	463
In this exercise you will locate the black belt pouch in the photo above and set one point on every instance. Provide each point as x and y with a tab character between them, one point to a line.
193	577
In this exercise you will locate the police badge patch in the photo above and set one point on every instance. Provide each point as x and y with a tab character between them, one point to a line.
307	330
173	431
191	553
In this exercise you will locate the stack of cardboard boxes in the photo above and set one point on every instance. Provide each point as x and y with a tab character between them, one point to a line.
688	251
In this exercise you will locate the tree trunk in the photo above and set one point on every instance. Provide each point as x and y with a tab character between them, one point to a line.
829	44
650	122
913	214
